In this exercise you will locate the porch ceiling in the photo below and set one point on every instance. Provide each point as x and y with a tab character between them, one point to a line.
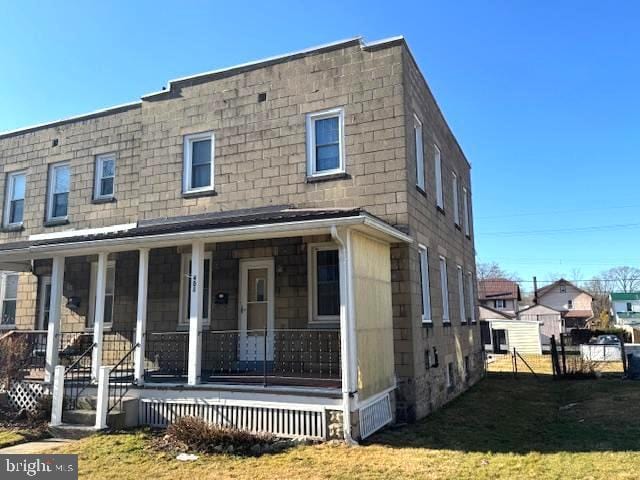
238	225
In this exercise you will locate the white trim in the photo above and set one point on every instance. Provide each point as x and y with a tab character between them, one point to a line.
53	167
312	266
456	200
444	289
311	120
45	281
419	152
3	291
425	285
466	213
471	294
111	264
437	160
183	318
83	232
8	198
187	147
97	184
461	296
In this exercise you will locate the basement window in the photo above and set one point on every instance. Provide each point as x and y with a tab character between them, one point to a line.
325	142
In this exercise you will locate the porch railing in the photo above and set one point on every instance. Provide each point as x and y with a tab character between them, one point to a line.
77	377
121	378
32	351
166	356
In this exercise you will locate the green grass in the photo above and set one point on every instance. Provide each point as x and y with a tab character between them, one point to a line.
11	437
503	428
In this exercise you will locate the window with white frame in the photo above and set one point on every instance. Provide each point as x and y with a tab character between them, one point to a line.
438	168
456	201
325	144
500	304
9	297
461	299
444	287
185	291
467	216
105	176
14	200
570	304
470	293
417	135
424	284
59	186
199	154
324	282
109	294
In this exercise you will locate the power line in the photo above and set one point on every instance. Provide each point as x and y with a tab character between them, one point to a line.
549	212
593	228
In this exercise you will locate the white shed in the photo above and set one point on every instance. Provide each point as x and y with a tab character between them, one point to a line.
504	335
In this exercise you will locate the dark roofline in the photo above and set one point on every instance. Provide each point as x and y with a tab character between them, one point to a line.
504	314
545	289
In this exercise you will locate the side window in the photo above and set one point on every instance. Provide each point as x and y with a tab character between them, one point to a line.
105	177
445	290
14	199
466	213
9	297
59	186
199	155
109	296
438	167
461	299
325	144
456	202
417	135
471	294
424	285
324	271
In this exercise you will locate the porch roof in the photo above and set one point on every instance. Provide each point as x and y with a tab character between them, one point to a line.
236	225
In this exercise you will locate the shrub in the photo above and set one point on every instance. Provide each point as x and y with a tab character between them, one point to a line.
194	434
13	352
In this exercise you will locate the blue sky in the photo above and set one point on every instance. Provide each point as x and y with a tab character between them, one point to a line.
543	96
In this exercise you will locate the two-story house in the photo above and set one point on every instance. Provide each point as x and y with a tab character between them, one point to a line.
284	245
572	303
625	308
498	296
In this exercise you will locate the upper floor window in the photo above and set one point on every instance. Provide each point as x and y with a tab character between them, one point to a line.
9	298
325	144
424	285
105	176
324	272
569	304
417	134
59	185
461	299
467	216
14	201
500	304
456	202
438	167
629	307
444	287
198	162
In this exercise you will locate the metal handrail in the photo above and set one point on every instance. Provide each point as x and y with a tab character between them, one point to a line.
118	393
84	354
76	386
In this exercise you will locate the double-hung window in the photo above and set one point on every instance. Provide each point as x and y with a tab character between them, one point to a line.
424	285
470	293
461	298
9	297
14	201
324	280
59	186
417	134
437	159
109	294
105	176
185	291
456	202
325	144
467	216
199	153
444	287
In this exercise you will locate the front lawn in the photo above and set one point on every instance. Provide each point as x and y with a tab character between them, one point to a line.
503	428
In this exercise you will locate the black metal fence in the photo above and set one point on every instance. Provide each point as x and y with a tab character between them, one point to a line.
166	356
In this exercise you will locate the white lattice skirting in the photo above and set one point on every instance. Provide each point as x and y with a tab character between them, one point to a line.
284	422
26	395
375	416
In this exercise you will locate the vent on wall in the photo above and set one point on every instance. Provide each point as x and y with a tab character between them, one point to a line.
375	416
283	422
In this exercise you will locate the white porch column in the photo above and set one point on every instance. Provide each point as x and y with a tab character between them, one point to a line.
196	284
98	316
57	279
141	317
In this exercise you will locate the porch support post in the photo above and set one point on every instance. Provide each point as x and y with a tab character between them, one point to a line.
141	317
57	279
196	284
98	323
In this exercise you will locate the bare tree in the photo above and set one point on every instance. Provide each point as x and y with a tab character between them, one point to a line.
491	270
624	279
600	291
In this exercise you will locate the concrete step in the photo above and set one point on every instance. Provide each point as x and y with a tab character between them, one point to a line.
71	432
115	419
90	402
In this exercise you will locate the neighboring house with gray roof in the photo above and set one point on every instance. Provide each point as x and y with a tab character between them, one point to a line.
284	245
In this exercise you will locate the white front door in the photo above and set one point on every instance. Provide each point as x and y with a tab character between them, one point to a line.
45	302
257	310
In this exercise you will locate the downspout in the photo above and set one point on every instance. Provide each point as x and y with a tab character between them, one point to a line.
345	317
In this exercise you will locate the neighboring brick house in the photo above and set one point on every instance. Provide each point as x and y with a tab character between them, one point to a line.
499	294
573	303
263	238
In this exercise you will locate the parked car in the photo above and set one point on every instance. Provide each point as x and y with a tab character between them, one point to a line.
606	340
